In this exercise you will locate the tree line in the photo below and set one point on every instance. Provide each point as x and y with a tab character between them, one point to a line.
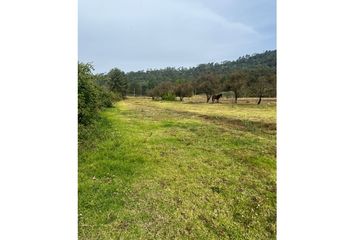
140	82
256	82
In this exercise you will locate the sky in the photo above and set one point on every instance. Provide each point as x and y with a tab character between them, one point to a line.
137	35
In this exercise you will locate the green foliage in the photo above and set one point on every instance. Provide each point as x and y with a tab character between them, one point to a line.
183	90
164	90
169	91
106	98
147	80
88	94
240	76
168	96
135	88
236	83
208	84
262	82
91	96
102	80
154	93
117	82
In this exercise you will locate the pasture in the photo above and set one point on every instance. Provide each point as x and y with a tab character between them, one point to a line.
179	170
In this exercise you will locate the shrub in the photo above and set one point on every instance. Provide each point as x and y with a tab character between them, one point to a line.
169	96
91	97
88	94
107	98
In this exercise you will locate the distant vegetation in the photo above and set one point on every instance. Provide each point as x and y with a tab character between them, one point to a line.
249	76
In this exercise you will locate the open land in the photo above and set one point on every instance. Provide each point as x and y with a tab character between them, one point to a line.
179	170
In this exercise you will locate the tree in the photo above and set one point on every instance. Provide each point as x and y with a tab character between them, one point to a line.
208	84
164	90
135	88
236	83
91	96
102	79
153	93
264	85
144	90
117	82
87	94
183	90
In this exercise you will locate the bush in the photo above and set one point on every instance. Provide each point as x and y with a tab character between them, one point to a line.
91	97
169	97
88	94
106	98
165	91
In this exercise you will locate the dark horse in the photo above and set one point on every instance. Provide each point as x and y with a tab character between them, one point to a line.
216	97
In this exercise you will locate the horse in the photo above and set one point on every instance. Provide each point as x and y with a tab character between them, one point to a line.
216	97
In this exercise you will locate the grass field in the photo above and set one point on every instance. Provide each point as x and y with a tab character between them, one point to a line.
179	170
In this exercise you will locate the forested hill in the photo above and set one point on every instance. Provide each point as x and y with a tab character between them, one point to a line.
142	81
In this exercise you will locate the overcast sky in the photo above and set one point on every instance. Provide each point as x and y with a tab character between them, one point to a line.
141	34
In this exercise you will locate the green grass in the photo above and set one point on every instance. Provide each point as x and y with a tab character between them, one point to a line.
170	170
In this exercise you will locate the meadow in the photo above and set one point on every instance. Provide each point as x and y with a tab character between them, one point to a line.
179	170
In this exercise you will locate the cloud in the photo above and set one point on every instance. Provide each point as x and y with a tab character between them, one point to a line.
135	34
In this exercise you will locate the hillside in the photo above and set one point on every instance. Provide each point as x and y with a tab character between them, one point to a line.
141	81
